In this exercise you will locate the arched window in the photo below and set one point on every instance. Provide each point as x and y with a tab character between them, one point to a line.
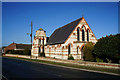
39	41
43	40
87	35
78	34
83	34
43	44
39	49
69	49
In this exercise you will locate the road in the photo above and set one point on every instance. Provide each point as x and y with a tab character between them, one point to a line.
20	69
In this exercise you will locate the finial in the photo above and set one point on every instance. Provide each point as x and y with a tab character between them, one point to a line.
40	29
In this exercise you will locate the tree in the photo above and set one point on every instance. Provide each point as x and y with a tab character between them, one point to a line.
107	48
88	51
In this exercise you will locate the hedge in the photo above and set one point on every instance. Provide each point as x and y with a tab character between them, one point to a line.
108	48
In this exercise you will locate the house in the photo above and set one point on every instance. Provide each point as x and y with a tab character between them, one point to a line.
66	40
15	46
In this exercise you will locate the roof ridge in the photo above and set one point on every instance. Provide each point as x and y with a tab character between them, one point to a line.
23	44
69	23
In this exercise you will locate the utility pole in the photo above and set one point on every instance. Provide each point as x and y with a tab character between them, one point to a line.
31	35
31	32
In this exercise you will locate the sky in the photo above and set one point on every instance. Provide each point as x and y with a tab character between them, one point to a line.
102	17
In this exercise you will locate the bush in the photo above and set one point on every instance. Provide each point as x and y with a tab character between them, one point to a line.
88	51
99	60
20	52
107	48
7	52
70	57
26	51
53	57
42	54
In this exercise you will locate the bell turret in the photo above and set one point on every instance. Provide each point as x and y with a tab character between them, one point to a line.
40	32
39	42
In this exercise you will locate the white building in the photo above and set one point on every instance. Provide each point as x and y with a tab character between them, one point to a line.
69	39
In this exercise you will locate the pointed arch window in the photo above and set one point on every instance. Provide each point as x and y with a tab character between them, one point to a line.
39	49
39	41
43	40
43	44
83	34
87	35
78	34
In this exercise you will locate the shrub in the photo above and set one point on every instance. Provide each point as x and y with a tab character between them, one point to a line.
14	52
26	51
53	57
107	48
88	51
70	57
7	52
20	52
99	60
42	54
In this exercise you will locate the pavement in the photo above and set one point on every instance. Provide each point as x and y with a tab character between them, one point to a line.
14	69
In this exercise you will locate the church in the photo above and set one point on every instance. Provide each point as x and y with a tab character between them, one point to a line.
66	40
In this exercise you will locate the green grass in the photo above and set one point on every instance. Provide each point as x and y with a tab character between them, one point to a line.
73	65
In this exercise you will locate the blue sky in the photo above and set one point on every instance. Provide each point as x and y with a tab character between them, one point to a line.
16	18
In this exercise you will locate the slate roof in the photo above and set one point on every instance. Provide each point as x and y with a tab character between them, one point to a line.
23	46
61	34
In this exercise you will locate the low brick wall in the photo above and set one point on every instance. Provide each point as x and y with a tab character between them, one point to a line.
85	63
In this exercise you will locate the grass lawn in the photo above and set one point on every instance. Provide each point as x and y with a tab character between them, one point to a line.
72	65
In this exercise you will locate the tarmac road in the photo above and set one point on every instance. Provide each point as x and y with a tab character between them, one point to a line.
20	69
